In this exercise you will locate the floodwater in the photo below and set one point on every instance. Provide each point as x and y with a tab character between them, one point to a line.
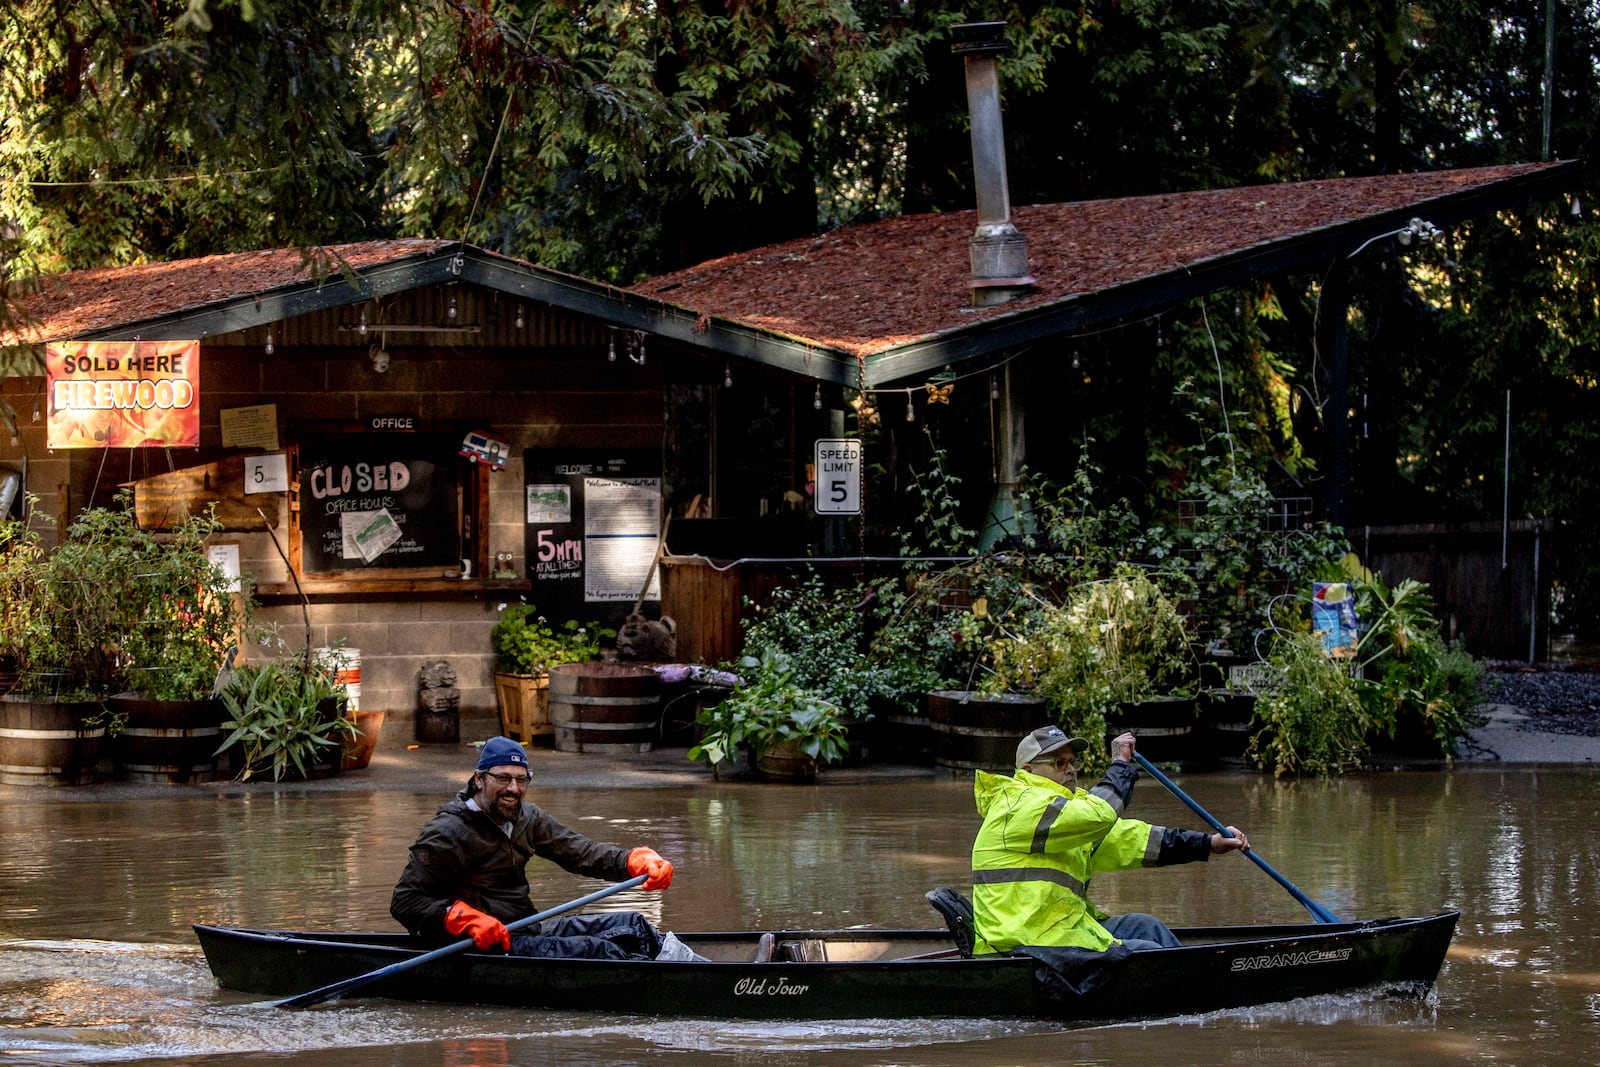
98	964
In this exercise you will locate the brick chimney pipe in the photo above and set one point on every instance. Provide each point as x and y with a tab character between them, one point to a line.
999	251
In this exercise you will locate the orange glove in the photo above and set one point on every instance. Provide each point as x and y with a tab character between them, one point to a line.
485	930
645	861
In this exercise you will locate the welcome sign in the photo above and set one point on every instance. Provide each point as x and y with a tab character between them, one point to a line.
123	394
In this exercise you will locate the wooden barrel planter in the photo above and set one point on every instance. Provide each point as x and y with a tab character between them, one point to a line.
1224	725
45	742
973	732
785	762
607	708
167	741
1166	727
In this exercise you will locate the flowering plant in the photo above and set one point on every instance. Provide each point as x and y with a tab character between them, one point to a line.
526	643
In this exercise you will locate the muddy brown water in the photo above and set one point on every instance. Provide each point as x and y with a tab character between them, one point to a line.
98	964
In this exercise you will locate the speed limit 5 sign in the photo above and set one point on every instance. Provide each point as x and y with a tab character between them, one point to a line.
837	465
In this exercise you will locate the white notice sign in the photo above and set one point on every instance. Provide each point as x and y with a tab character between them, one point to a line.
266	474
838	474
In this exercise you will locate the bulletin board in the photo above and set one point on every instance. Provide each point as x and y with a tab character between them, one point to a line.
593	523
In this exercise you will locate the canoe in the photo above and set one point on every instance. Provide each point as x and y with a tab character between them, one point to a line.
854	974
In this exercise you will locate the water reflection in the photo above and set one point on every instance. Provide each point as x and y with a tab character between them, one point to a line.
97	962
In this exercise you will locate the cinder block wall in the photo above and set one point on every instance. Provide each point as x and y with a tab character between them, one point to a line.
545	385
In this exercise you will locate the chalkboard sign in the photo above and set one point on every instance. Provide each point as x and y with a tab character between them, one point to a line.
379	500
593	523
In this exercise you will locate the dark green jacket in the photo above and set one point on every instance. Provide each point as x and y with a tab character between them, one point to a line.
462	854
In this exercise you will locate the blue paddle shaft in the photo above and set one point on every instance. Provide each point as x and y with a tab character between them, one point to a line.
1318	912
339	989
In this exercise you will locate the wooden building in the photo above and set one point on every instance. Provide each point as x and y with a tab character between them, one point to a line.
389	375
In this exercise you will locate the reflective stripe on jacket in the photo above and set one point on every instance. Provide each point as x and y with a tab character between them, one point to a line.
1039	846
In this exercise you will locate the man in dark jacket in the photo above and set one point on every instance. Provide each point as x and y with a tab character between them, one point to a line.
467	873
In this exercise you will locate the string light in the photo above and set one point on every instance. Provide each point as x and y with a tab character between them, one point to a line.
994	387
816	401
1074	359
269	345
452	311
611	348
727	376
911	411
361	328
520	320
36	410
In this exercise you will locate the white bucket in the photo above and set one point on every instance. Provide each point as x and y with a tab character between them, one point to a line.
345	663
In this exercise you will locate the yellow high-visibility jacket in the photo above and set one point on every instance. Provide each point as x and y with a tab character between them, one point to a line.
1041	843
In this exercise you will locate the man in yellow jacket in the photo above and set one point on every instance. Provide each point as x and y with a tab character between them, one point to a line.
1043	839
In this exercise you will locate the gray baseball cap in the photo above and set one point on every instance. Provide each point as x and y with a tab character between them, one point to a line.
1044	741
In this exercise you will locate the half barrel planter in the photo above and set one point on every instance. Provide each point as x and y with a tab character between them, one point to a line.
605	708
785	761
973	732
47	742
167	741
1166	727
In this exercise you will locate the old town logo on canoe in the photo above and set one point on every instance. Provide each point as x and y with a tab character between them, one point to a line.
123	394
768	987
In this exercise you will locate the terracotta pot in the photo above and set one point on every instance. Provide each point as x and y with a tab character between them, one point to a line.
358	751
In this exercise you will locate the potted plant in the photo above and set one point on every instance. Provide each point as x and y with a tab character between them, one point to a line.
58	631
788	730
286	719
526	646
1114	655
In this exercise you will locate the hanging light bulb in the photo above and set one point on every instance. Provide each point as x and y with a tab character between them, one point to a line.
994	387
1074	359
452	311
361	327
36	410
611	348
911	411
727	376
640	360
816	401
269	346
520	320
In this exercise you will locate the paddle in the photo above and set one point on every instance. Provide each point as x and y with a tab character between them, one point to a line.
339	989
1318	912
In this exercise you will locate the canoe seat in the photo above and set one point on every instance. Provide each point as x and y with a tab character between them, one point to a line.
957	912
802	950
764	946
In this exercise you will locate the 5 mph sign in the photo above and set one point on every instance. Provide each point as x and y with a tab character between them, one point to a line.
838	474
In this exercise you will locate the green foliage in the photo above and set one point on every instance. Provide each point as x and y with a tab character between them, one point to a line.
1403	683
115	607
822	636
769	706
1412	681
1312	721
1110	642
526	643
286	715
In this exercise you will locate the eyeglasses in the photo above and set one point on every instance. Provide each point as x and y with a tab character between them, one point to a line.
1061	763
507	779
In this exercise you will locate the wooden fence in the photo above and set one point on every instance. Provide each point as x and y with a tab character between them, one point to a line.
1490	584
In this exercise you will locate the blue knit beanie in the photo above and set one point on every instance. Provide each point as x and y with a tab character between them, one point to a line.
501	752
